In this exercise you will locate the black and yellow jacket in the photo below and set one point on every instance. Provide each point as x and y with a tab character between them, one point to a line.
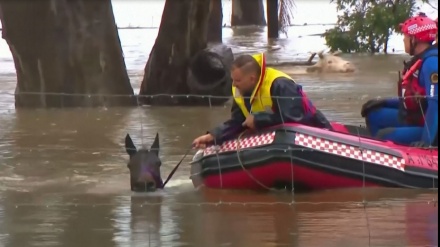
276	99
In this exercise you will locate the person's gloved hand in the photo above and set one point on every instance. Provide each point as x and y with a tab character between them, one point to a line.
372	104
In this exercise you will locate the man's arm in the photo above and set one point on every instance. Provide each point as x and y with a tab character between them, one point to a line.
288	105
430	82
231	127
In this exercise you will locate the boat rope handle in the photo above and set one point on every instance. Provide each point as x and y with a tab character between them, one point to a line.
248	173
244	168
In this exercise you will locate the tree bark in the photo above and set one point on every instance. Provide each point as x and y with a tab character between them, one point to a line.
247	13
65	47
209	74
272	19
182	35
215	28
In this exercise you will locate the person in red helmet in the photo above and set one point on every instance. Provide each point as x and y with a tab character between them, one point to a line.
411	119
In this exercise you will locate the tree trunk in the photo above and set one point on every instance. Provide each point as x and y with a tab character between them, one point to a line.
61	48
247	13
209	74
215	28
272	19
181	39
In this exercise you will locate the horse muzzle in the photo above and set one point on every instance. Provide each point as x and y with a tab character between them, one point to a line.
147	182
144	186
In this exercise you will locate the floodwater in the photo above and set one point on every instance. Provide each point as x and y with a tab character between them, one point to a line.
64	181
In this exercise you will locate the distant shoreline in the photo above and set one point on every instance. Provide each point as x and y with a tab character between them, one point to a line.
293	25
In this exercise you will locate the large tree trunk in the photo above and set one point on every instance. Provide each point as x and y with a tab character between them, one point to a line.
215	26
179	49
272	19
61	48
247	13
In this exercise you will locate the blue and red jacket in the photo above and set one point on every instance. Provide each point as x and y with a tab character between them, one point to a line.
419	94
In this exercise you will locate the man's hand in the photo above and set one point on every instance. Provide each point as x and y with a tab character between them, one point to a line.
201	141
249	122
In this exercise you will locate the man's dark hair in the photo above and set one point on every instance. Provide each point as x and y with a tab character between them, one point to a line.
247	64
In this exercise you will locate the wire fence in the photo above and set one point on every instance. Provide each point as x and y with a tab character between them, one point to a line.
346	203
365	202
194	96
170	96
266	217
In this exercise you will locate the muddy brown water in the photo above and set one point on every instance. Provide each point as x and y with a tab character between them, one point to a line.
64	181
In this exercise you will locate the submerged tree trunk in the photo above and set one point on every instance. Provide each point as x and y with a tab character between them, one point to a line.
181	39
272	19
215	27
66	53
248	12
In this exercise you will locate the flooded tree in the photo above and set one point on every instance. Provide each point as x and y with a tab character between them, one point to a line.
251	12
272	19
180	62
366	26
215	32
247	12
284	10
62	48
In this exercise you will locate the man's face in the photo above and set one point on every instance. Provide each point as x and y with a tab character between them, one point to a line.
244	82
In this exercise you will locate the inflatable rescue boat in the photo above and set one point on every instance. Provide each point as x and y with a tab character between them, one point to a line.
314	159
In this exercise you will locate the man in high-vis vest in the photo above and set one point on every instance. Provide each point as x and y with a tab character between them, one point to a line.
263	97
411	119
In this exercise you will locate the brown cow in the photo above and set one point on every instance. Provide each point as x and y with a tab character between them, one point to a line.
331	63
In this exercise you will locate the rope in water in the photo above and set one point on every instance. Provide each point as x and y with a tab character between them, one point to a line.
176	167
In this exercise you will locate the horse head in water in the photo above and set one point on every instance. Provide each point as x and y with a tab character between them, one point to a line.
144	166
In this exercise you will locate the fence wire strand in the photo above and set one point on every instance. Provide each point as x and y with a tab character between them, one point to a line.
196	96
360	204
364	203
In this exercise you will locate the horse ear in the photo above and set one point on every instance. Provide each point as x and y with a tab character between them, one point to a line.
321	54
155	147
130	148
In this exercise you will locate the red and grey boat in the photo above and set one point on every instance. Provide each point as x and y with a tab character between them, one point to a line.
314	159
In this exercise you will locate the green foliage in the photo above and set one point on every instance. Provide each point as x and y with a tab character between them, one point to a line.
366	25
285	14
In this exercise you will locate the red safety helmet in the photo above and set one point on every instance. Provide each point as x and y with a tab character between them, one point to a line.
421	27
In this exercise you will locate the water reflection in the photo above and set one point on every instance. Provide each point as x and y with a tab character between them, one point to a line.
247	219
321	219
138	221
179	217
